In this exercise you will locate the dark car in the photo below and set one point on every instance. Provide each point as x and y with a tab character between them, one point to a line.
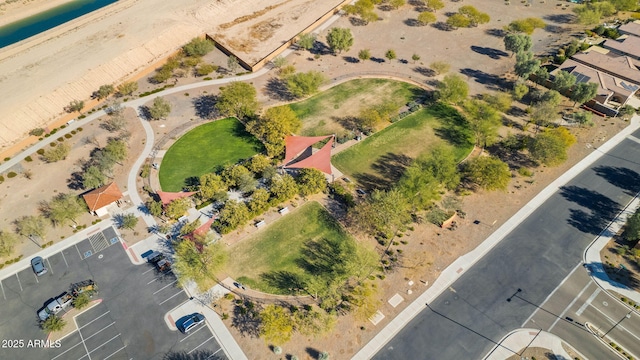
186	323
37	264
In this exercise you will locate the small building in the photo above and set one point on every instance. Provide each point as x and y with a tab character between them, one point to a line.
627	46
98	200
631	28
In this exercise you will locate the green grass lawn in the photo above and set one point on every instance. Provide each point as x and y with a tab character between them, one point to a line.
278	247
206	149
323	113
379	160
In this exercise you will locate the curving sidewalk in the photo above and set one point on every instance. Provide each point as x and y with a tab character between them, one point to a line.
515	342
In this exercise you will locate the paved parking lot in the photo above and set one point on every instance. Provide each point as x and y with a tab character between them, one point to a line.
127	324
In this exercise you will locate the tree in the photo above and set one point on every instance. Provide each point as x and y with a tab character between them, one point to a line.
415	57
272	127
488	172
232	173
92	178
198	47
246	183
199	263
390	54
363	9
311	181
453	89
526	64
162	75
189	228
127	88
500	101
551	97
53	323
419	187
434	5
563	81
304	84
383	212
62	208
259	201
279	62
154	207
205	69
442	163
587	15
259	162
32	225
520	89
339	39
177	208
211	185
104	91
115	122
632	227
583	118
517	43
128	221
440	67
232	215
160	108
526	26
58	153
237	99
626	111
306	41
550	146
8	241
116	149
475	17
458	20
583	92
81	301
75	105
395	4
364	54
232	63
484	120
283	188
541	76
543	112
275	324
308	321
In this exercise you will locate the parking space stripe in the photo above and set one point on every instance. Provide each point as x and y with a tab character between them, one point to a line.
36	277
3	294
147	271
50	267
64	258
64	352
85	325
82	339
96	333
115	352
164	287
196	348
19	283
78	250
186	337
154	280
214	354
103	344
171	297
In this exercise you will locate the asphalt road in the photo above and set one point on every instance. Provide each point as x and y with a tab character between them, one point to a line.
471	318
127	324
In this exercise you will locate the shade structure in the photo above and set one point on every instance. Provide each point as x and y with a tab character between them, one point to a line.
98	198
167	197
294	145
320	160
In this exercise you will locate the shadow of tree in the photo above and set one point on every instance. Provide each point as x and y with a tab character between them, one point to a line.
246	319
615	275
560	18
492	81
602	209
623	178
205	106
286	281
348	122
351	59
377	60
424	71
495	32
441	25
454	129
412	22
277	89
145	113
555	29
313	352
389	169
490	52
75	181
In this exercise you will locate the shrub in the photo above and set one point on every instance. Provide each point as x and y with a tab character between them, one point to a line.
73	132
277	350
36	132
40	151
60	139
68	136
208	78
79	129
81	301
525	172
1	178
28	159
323	356
52	144
11	175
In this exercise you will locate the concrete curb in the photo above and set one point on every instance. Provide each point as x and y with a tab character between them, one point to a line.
519	339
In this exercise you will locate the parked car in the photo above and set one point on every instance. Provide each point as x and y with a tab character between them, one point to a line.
187	323
159	261
56	305
37	264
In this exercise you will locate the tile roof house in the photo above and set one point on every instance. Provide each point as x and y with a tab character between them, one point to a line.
631	28
629	46
98	200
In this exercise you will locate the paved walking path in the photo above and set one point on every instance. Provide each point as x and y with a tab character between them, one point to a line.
463	263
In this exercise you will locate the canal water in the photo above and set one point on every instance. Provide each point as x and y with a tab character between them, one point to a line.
33	25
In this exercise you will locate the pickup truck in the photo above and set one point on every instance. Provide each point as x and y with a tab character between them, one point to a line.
56	305
159	261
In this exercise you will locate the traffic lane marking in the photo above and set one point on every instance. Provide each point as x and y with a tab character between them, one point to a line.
561	316
588	302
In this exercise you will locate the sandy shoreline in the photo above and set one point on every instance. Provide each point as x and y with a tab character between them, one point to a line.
19	10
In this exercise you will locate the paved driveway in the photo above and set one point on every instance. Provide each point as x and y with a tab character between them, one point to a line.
127	324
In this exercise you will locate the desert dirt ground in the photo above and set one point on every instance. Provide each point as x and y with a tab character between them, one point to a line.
429	249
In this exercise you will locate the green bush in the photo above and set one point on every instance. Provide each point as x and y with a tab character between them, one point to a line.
79	129
7	159
73	132
11	174
1	178
68	136
60	139
28	159
40	151
52	144
36	132
208	78
525	172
